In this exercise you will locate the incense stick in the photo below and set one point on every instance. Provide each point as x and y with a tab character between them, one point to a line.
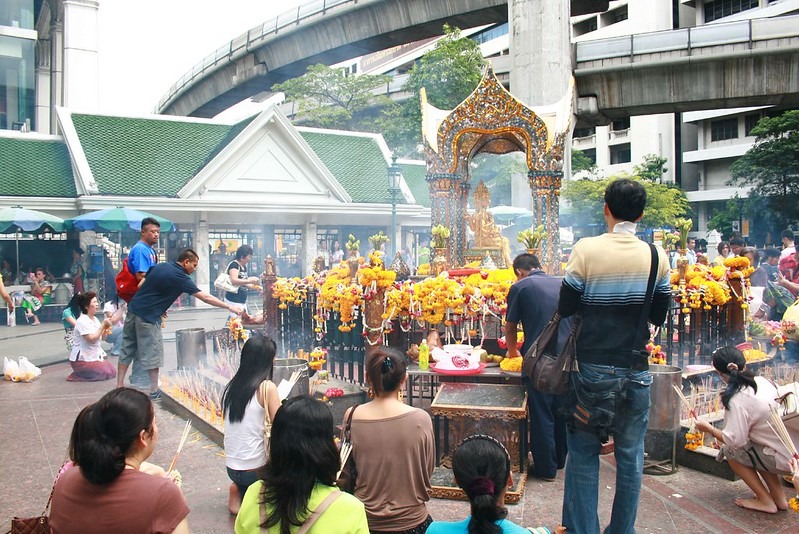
778	427
685	402
344	455
186	431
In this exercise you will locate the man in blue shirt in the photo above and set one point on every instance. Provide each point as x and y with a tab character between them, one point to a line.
141	259
141	337
532	301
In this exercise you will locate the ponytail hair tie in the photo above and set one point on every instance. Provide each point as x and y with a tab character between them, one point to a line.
480	486
732	366
387	364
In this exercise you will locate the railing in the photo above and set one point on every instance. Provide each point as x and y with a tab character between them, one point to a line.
688	39
242	44
685	338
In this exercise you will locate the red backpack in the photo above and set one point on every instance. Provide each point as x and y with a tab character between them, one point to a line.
127	283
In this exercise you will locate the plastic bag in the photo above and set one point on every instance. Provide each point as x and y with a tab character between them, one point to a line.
790	320
24	371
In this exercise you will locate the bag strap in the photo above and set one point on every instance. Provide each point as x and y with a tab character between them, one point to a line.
324	505
650	291
264	388
348	424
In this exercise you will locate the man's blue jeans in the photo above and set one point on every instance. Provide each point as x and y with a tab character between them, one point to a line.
581	492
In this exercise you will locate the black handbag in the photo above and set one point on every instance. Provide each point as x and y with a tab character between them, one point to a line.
348	475
547	370
593	406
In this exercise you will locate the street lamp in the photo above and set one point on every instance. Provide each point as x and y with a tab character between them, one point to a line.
740	202
394	177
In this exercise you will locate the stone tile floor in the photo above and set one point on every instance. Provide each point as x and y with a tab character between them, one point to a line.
36	420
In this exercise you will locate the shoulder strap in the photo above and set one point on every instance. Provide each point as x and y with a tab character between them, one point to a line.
324	505
348	425
264	388
650	290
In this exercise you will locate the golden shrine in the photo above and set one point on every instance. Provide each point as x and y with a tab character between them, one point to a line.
493	121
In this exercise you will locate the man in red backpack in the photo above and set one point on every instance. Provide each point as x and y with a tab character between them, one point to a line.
141	259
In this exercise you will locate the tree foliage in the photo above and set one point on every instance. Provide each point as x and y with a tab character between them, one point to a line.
449	73
664	202
652	168
581	162
328	98
771	166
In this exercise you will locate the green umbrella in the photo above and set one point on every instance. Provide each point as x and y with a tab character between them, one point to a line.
117	219
16	219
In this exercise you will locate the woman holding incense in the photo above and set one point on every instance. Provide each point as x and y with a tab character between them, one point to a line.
752	448
109	491
249	402
87	357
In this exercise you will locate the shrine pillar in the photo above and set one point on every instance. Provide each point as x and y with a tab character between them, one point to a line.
545	186
449	196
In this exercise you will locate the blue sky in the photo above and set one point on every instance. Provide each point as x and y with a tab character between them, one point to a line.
146	45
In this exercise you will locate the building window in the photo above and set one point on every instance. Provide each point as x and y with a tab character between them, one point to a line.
17	87
620	154
583	132
724	8
586	26
620	124
590	153
17	14
750	121
724	129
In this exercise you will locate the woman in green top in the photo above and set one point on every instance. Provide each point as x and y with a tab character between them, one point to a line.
297	486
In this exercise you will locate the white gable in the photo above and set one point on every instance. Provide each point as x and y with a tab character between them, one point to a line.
267	163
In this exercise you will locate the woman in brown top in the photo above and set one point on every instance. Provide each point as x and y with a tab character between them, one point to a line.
393	448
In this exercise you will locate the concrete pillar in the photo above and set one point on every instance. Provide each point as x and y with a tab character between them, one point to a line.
81	62
540	50
713	240
203	273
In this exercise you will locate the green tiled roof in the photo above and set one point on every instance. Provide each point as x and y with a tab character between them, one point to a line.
148	157
415	178
356	162
35	167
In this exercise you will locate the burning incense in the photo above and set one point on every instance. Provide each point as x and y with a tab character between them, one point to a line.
686	402
183	438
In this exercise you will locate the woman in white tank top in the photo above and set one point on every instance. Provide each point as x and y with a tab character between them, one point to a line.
247	398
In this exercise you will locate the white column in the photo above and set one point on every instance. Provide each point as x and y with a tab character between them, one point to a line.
310	238
203	273
81	62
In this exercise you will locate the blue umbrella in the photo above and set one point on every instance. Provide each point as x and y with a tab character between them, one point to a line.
117	219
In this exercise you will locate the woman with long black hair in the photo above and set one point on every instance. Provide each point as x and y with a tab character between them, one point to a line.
249	403
297	487
752	449
110	490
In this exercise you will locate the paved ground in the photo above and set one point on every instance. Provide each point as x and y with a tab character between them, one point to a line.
36	419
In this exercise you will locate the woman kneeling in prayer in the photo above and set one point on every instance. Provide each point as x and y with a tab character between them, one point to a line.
481	466
88	357
753	450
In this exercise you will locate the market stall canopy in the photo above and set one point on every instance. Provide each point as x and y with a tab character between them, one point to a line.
508	214
18	219
117	219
